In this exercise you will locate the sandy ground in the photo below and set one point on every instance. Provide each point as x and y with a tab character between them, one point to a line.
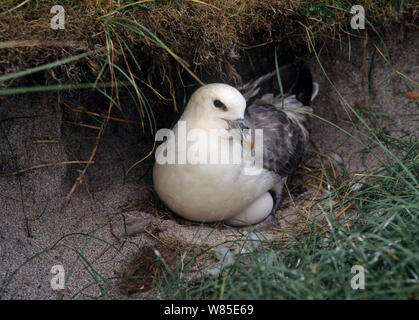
88	238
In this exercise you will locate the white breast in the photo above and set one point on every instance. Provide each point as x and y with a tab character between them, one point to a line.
209	192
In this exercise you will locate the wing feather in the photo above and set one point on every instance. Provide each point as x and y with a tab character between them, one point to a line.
284	138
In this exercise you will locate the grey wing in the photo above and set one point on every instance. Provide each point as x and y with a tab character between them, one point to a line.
284	137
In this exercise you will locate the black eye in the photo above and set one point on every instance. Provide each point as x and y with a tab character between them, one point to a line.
218	104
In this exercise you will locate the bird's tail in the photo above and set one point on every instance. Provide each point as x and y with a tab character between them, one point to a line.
291	88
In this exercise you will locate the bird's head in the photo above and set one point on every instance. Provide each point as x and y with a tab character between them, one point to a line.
216	106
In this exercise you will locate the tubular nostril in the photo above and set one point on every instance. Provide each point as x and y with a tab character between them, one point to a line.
239	124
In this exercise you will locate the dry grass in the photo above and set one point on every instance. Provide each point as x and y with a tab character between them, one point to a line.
139	273
209	35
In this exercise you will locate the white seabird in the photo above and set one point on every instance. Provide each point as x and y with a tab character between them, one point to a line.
224	192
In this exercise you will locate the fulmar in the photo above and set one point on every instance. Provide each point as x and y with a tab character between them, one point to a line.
198	180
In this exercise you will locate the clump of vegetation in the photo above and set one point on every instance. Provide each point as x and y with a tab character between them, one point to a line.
207	34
